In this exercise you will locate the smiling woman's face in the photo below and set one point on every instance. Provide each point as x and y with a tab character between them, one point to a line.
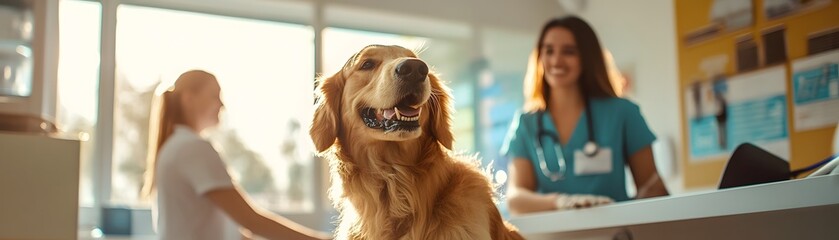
560	58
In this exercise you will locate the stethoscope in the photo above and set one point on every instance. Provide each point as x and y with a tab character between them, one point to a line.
589	149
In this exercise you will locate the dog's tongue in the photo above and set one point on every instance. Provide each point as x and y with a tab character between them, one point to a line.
403	111
388	113
408	111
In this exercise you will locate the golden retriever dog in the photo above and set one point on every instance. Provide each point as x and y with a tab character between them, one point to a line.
383	122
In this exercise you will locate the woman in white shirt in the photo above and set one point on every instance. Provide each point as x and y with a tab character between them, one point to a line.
195	195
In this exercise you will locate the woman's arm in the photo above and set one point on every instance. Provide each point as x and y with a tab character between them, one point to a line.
261	223
521	196
647	181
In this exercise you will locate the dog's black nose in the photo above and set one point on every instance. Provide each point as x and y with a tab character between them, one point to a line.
412	70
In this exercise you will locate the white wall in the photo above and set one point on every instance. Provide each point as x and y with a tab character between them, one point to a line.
526	15
462	19
641	35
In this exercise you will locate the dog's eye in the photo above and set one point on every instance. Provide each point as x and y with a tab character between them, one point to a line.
367	65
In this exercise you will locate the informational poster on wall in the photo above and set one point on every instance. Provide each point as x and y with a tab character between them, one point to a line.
724	113
815	83
706	112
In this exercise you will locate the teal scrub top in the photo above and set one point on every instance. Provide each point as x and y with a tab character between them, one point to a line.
618	125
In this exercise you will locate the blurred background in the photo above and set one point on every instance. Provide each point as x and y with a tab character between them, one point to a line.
89	69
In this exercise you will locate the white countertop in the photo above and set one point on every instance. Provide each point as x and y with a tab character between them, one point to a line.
800	193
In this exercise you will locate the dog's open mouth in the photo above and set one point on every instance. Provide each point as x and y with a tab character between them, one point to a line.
402	117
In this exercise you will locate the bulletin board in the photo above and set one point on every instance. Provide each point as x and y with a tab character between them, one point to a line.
737	60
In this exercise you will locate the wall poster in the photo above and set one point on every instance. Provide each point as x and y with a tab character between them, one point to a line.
724	113
815	84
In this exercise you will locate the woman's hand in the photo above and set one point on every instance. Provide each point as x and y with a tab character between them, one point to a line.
521	195
577	201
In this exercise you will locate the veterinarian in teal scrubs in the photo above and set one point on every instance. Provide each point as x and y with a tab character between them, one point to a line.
569	146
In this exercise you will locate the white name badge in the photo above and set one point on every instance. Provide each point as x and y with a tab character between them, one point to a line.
598	164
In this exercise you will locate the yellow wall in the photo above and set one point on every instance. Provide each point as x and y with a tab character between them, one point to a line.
806	147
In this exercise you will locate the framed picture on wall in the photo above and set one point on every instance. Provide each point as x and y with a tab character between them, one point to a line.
823	41
775	9
726	111
746	53
815	83
774	45
723	16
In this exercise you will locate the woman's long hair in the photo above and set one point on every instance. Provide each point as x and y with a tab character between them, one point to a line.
594	79
166	112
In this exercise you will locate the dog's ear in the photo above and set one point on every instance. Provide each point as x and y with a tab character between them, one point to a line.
440	109
327	122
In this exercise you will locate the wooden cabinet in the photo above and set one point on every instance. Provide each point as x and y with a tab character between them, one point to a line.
39	187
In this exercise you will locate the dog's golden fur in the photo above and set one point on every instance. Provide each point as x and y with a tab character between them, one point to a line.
399	184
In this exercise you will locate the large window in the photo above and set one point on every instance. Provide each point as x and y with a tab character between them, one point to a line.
78	80
265	69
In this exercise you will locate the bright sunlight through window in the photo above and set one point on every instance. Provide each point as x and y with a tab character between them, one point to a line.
78	82
266	72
